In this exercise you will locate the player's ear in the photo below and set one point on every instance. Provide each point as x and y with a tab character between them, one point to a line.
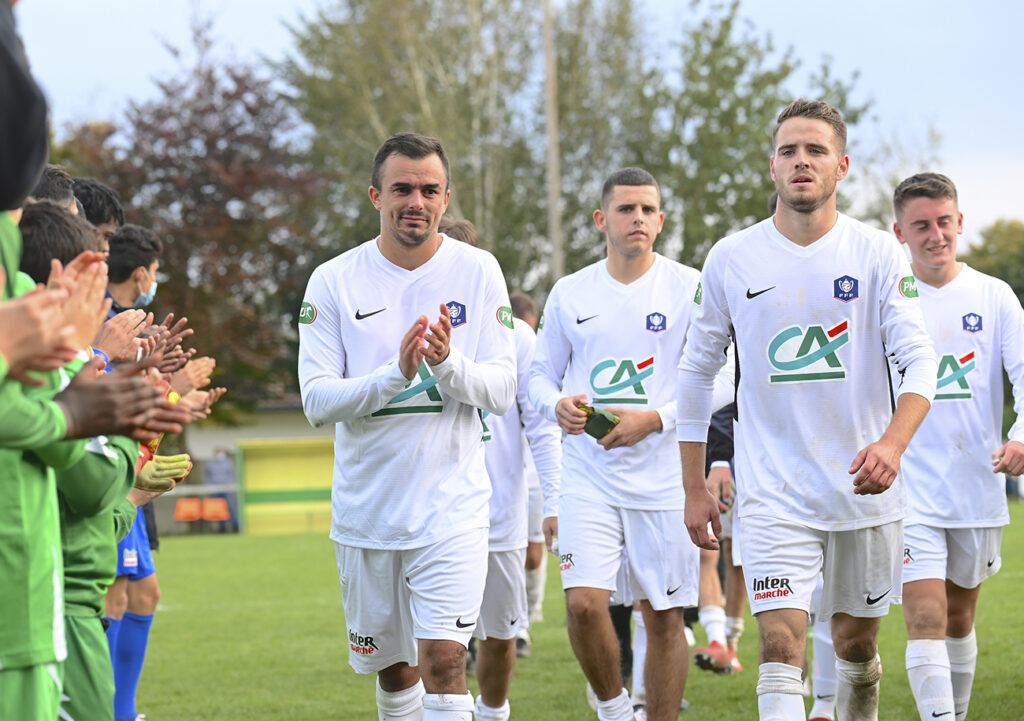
600	220
374	197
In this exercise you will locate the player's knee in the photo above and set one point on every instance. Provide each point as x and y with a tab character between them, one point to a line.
959	622
583	608
534	556
927	621
443	666
857	649
779	645
144	596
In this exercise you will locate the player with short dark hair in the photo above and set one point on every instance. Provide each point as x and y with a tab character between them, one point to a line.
816	303
102	205
57	185
50	231
410	496
957	501
610	338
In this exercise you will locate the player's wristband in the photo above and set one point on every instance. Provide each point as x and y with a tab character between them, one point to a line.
105	357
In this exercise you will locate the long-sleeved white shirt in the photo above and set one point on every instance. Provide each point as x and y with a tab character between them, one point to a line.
813	327
977	325
409	464
619	345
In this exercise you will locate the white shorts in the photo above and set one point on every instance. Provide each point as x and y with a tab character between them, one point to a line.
965	556
535	530
635	554
861	568
737	538
393	598
504	612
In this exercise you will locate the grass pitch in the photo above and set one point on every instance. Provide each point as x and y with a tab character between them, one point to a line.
252	628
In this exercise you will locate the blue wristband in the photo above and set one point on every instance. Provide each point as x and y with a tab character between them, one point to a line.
105	357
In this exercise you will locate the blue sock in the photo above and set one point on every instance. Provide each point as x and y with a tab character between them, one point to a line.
113	626
128	657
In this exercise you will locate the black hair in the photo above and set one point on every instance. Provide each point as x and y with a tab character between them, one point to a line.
48	231
100	201
132	246
626	176
410	145
55	184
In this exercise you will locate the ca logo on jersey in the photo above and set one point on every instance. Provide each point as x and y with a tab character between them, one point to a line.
483	422
420	396
953	383
808	355
610	377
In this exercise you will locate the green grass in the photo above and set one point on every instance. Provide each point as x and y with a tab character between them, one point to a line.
252	628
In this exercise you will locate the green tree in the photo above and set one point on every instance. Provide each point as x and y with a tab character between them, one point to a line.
458	70
209	166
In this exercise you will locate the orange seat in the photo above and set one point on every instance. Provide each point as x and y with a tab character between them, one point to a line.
187	510
216	509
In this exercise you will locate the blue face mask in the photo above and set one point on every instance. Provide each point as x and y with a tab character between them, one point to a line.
147	296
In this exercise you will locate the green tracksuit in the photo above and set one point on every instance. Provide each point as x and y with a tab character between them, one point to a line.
87	494
31	429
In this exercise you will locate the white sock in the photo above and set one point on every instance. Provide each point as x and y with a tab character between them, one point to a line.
779	690
733	630
712	618
963	659
928	674
619	708
824	671
404	705
639	658
486	713
447	707
857	689
535	590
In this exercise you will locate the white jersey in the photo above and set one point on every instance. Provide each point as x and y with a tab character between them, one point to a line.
408	455
506	455
813	327
619	345
977	325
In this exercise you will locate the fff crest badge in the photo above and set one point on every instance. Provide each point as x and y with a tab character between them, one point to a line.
457	313
656	322
845	288
972	323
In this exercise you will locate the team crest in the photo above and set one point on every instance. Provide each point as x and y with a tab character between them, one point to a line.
846	288
972	323
656	322
457	313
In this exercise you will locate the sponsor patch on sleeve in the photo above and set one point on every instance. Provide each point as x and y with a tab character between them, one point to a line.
698	297
307	313
908	287
504	316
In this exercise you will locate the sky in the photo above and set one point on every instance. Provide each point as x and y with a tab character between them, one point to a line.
943	64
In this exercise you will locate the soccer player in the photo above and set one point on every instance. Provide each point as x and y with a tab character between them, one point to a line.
410	495
956	496
611	335
816	302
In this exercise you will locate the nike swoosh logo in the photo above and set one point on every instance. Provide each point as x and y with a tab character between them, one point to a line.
673	590
460	624
513	621
824	696
584	320
940	715
991	562
873	601
360	316
754	295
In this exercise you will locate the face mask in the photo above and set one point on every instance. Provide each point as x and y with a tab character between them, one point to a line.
146	297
